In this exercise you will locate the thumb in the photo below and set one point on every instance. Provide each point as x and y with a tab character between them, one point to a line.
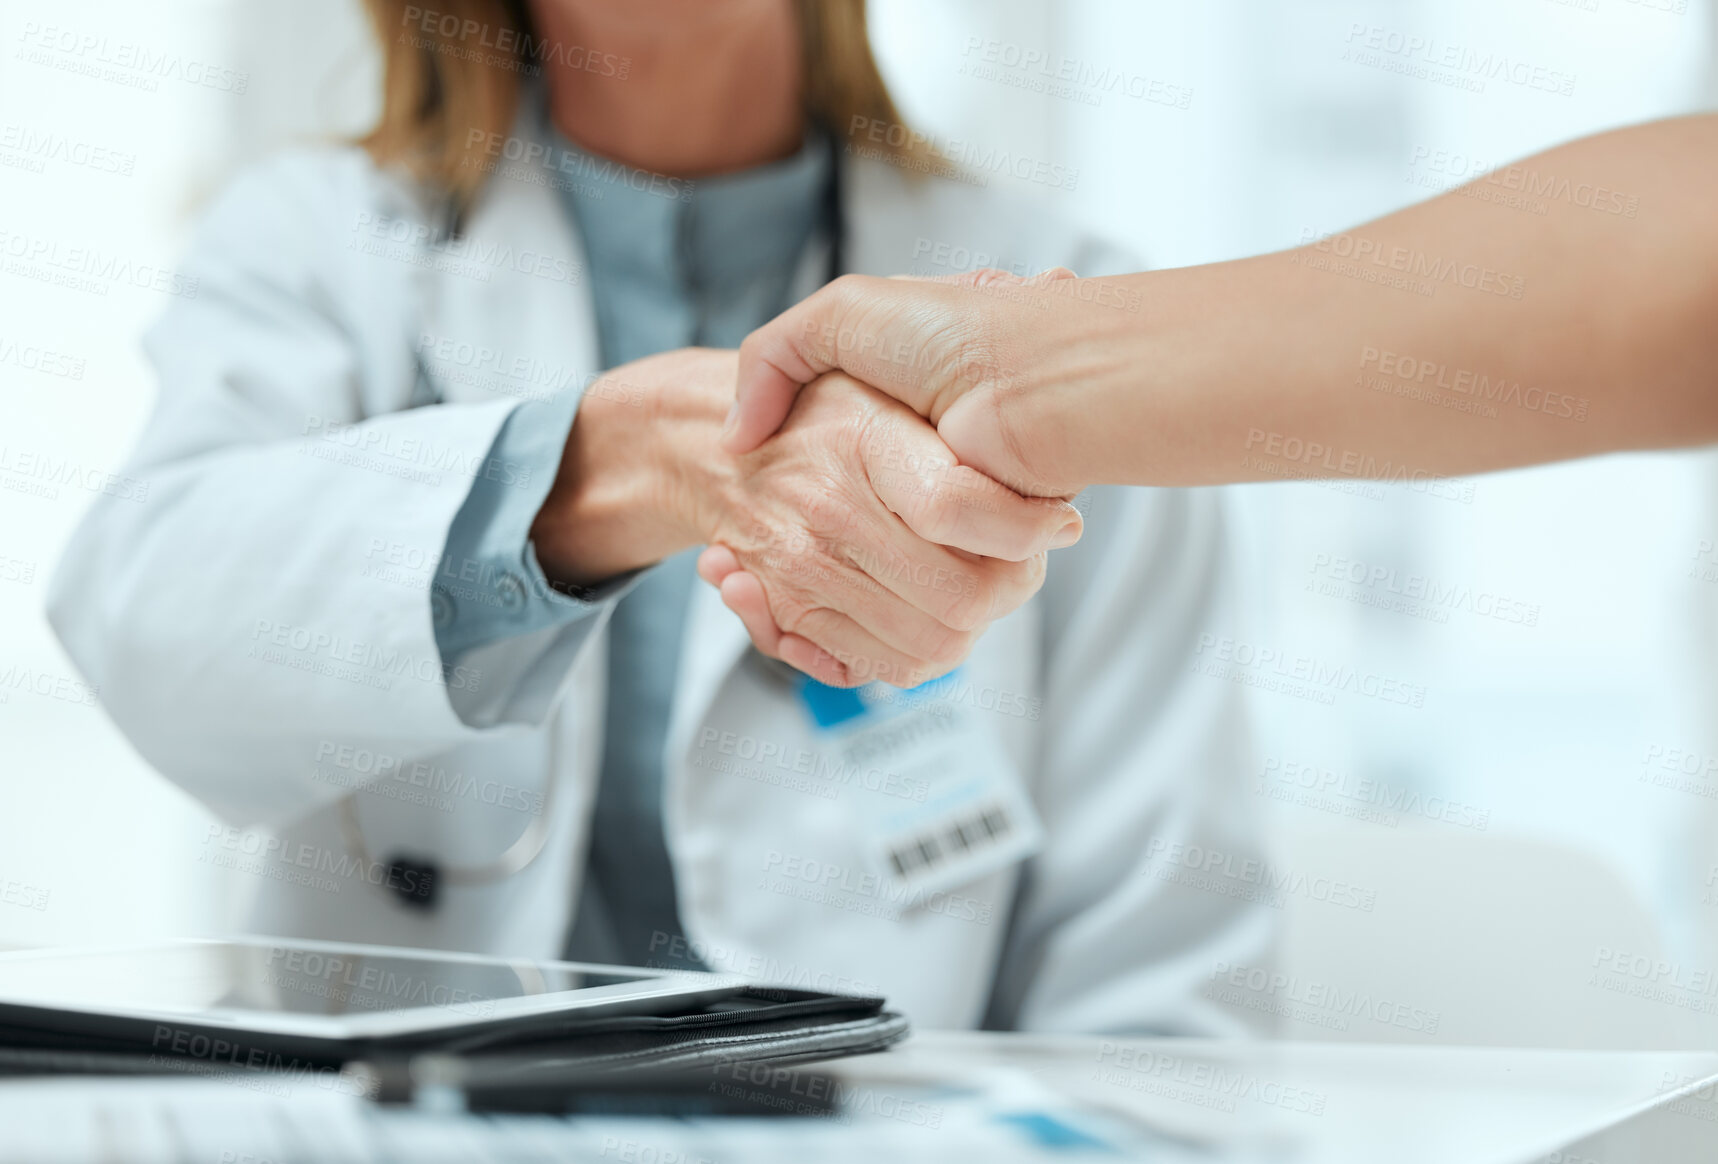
903	336
799	345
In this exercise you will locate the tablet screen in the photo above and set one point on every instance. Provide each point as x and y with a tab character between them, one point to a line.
286	978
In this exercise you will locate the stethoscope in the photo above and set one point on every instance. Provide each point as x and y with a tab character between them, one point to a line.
417	880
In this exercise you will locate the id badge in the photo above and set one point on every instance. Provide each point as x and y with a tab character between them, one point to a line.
974	817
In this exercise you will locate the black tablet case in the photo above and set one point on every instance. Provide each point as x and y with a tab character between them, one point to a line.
754	1025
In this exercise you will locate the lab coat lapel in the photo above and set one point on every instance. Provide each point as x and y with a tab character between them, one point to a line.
714	644
508	314
509	309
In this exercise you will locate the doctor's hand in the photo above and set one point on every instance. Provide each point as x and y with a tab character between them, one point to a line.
989	357
854	546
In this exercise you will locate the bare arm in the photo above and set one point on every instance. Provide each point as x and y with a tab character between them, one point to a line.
1462	334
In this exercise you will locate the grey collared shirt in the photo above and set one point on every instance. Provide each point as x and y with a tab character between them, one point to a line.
671	266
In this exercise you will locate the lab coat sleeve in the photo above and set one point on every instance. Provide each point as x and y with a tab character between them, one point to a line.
494	608
490	586
1144	762
267	600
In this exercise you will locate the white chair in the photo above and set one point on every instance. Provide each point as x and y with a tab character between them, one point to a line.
1418	935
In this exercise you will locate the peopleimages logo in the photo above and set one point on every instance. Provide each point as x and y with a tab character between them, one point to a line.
559	160
848	887
867	137
1321	788
416	242
1469	383
1293	456
1655	979
360	982
23	895
35	358
835	771
667	950
502	44
1224	655
1207	1084
352	766
1378	584
372	663
1414	264
35	148
1248	877
1291	996
1462	66
784	1085
85	267
1054	75
275	858
1449	169
15	677
41	474
123	62
199	1048
364	444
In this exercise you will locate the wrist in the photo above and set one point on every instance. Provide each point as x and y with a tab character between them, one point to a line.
1099	402
637	482
1177	387
1042	419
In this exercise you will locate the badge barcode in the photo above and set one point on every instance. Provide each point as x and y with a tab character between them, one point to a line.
929	850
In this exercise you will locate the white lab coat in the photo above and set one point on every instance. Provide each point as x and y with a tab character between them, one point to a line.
260	627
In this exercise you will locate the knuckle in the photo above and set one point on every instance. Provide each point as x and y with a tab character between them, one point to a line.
835	664
1015	583
951	648
1001	587
752	346
938	515
829	312
825	507
1024	575
883	671
795	616
969	606
935	671
1020	538
976	358
903	673
935	643
846	288
1035	570
866	667
1027	575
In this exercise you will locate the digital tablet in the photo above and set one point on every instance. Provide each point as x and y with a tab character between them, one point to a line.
316	995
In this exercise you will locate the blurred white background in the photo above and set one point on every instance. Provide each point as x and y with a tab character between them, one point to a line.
1540	731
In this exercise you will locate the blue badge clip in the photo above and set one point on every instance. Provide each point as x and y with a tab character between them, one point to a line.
830	707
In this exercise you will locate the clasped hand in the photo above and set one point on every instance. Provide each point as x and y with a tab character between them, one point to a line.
853	545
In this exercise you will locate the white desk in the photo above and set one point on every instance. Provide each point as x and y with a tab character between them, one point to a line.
1341	1102
956	1097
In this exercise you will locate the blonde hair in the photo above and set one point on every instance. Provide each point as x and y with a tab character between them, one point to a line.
451	81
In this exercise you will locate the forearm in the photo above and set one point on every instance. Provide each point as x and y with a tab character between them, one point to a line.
1456	336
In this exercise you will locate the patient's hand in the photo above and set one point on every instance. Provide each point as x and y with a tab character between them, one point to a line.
852	546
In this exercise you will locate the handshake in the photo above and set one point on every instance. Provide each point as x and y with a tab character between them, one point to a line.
854	543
